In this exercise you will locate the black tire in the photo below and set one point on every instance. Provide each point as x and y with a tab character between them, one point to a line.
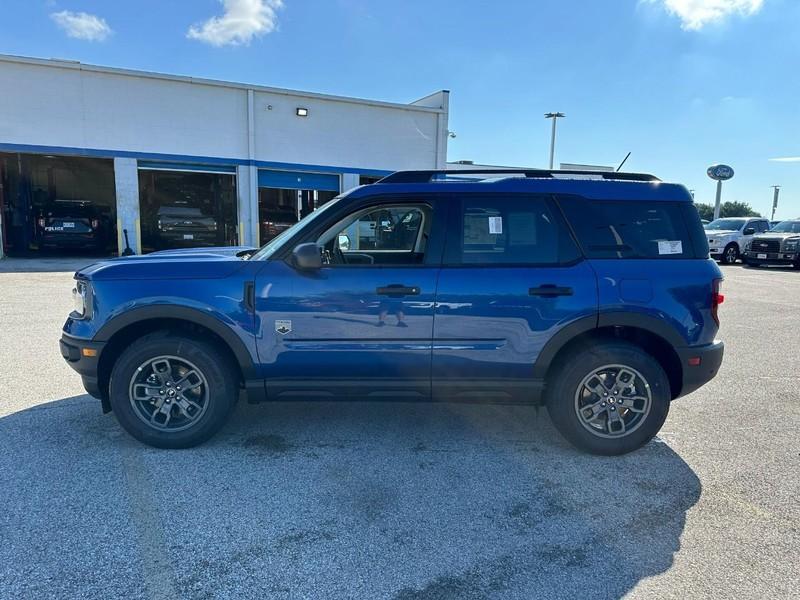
566	381
730	254
220	385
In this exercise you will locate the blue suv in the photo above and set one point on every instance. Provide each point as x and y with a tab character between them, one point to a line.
590	293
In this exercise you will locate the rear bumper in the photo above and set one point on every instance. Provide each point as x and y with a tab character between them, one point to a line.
697	375
74	351
74	240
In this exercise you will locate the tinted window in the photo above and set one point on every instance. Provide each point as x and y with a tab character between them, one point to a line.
509	230
630	229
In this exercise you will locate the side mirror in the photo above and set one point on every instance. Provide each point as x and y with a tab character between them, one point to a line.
307	257
344	242
749	230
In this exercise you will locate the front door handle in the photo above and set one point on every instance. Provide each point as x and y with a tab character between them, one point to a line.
397	290
549	290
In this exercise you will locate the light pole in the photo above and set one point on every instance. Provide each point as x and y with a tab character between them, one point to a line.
777	189
555	116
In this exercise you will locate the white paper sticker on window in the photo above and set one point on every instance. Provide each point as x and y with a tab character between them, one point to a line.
670	247
496	225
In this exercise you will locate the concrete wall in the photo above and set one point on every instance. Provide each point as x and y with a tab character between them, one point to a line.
67	104
64	107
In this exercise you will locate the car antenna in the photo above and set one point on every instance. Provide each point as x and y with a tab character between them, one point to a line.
623	161
128	250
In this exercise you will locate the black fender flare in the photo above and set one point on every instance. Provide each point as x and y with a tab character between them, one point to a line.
583	325
182	313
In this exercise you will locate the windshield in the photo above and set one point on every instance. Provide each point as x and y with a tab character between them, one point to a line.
726	225
269	249
787	227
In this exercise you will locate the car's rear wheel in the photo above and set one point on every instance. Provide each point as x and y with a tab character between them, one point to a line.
609	399
171	391
730	255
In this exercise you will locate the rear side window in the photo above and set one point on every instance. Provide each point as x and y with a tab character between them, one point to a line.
510	230
629	229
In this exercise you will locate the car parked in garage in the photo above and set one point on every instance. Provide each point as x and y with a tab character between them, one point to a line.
74	225
591	293
728	236
779	246
182	225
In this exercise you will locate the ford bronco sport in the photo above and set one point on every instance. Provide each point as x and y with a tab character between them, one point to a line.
590	293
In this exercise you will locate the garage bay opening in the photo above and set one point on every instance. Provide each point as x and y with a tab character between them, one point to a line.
59	205
187	208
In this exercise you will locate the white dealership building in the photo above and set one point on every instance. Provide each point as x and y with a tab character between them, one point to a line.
131	150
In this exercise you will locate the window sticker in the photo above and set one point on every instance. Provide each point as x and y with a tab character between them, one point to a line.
496	225
670	247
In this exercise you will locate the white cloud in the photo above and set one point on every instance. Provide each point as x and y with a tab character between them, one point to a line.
695	14
82	26
241	22
786	159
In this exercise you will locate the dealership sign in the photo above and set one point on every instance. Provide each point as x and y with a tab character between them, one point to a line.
720	172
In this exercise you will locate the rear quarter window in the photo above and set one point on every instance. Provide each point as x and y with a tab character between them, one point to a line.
632	229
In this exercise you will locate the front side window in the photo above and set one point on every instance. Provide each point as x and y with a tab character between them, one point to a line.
629	229
379	235
509	230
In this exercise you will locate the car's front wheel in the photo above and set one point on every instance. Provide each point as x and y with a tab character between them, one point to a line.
730	255
610	398
172	391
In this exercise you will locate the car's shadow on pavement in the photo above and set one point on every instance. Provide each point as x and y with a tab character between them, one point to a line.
330	500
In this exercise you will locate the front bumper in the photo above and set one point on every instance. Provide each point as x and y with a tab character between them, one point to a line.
84	357
700	365
771	258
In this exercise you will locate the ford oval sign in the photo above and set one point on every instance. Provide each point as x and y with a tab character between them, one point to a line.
720	172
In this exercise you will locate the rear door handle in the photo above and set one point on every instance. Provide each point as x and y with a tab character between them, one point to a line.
549	290
397	290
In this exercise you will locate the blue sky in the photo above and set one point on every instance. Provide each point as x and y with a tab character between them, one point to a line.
681	84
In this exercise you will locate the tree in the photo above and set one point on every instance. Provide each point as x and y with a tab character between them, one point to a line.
706	210
727	209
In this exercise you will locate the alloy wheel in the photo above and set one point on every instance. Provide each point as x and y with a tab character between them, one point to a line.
613	401
169	393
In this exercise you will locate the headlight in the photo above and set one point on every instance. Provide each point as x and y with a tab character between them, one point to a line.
791	246
748	245
80	298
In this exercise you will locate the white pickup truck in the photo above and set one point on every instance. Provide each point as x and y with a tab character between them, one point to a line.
727	237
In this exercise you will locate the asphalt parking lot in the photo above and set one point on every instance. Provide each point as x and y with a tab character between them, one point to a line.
394	500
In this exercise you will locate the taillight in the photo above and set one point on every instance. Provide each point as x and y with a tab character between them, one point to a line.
40	222
716	298
95	223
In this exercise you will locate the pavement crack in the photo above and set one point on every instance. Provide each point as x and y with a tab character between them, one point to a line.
159	577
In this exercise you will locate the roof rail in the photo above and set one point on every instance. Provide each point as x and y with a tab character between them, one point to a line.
430	176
